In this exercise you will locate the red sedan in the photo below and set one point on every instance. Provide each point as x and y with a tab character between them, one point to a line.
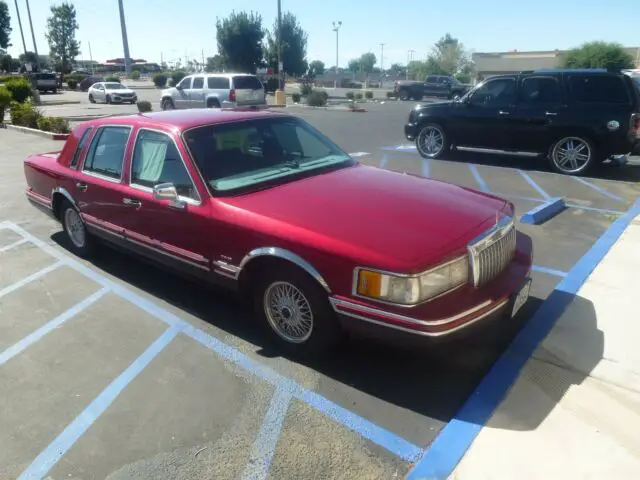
265	205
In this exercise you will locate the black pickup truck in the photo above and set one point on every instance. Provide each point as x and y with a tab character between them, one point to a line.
434	86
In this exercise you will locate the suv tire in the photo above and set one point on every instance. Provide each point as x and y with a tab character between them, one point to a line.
572	155
432	141
167	104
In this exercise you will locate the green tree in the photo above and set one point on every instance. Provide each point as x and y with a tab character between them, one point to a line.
317	67
367	62
450	56
5	26
354	65
215	64
5	62
294	46
598	55
61	35
239	38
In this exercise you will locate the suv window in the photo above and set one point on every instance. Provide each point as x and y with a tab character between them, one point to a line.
495	92
598	89
431	79
218	83
80	147
540	90
246	82
198	82
156	160
106	153
185	83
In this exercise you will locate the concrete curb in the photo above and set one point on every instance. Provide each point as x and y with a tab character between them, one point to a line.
33	131
544	212
58	102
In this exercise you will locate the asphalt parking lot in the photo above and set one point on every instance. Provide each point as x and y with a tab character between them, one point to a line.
113	369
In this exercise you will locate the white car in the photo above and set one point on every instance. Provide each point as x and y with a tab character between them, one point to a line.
111	92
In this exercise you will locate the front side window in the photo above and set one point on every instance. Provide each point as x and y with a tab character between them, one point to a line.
106	153
240	155
185	83
114	86
156	160
495	92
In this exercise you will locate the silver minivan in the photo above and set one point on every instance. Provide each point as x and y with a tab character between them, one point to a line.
215	90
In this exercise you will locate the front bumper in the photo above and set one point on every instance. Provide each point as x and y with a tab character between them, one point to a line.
411	131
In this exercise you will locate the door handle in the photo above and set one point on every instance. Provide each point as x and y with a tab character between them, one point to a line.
132	201
550	114
503	113
82	186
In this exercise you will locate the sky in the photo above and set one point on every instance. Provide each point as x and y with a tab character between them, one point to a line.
169	30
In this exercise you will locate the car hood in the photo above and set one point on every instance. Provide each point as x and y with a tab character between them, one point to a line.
383	218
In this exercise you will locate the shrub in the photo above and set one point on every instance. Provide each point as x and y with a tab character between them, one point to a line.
368	95
359	96
135	75
296	97
112	78
306	89
20	89
24	114
44	124
391	94
72	83
5	101
272	84
316	99
177	76
144	106
59	125
160	80
350	96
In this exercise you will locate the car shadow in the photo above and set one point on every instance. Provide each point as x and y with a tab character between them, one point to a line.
433	382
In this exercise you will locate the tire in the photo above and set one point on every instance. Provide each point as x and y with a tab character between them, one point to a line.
80	239
213	103
167	104
324	331
54	91
572	155
108	99
439	144
91	99
404	95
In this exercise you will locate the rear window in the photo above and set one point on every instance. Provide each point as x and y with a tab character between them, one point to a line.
599	89
247	82
218	83
45	76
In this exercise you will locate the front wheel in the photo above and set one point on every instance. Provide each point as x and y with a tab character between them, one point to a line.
167	104
572	155
108	98
432	141
79	238
295	309
91	99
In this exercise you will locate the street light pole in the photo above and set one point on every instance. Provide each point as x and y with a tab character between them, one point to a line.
33	37
336	28
381	63
280	73
409	58
24	44
125	41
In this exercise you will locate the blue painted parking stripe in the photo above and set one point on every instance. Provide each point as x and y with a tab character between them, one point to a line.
12	245
368	430
448	448
29	279
29	340
549	271
425	168
534	185
63	442
478	177
264	447
599	189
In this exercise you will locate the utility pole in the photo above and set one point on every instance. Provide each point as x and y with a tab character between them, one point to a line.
33	37
409	58
24	44
125	41
280	65
336	28
93	67
381	63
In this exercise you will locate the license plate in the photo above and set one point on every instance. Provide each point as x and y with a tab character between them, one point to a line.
521	298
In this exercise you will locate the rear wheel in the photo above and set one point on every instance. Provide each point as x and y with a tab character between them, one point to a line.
432	141
213	103
79	238
167	104
108	98
404	94
573	155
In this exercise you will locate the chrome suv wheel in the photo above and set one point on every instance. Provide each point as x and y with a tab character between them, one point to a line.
432	141
572	155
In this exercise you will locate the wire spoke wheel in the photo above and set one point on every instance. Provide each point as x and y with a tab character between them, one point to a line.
288	312
75	228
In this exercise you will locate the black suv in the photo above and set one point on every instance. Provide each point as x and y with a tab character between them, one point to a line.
577	118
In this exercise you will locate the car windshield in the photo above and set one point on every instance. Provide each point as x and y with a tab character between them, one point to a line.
240	155
114	86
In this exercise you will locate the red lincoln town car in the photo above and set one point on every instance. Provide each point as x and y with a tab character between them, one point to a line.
264	204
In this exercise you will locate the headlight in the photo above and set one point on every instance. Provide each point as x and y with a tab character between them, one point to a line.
412	289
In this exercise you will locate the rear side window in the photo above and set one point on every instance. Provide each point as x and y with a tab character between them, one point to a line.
247	82
106	154
540	90
80	147
598	89
218	83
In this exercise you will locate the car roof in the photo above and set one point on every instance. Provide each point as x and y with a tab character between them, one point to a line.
188	118
227	75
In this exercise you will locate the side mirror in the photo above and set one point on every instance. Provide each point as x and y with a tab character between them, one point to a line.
167	191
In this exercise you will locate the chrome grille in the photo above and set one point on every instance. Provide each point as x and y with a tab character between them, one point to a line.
492	253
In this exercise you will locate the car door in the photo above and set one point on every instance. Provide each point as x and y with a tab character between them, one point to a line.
482	119
182	99
539	109
431	86
99	187
176	233
197	93
248	90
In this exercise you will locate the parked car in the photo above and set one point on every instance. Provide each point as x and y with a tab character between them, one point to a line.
576	118
46	82
215	90
443	86
264	205
111	92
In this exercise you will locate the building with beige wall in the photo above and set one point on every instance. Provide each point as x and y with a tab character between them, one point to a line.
489	64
